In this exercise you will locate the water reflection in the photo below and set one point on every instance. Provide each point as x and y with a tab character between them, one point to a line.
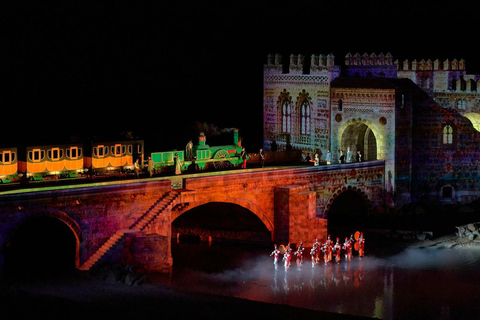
415	283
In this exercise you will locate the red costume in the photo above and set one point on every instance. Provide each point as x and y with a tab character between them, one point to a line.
337	249
276	254
299	254
347	247
327	250
287	256
361	245
315	252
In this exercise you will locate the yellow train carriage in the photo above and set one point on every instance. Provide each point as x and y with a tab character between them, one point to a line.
59	160
8	164
118	155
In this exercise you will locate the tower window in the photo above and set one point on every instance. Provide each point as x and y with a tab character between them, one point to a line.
286	117
447	134
305	118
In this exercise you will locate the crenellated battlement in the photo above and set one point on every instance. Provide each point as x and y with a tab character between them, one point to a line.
368	59
429	65
296	63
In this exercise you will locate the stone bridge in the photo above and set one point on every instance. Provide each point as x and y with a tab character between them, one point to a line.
130	221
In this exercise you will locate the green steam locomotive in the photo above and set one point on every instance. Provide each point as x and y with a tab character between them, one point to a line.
200	156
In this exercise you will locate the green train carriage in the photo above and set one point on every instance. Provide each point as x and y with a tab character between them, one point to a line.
205	157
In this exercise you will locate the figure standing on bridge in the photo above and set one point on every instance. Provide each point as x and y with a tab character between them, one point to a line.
359	156
189	150
342	157
349	155
178	164
243	155
150	166
136	168
316	161
262	157
328	158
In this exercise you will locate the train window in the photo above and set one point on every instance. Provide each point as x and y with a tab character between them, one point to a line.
74	152
100	151
117	150
7	157
36	154
55	153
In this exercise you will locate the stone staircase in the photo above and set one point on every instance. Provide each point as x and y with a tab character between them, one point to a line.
148	217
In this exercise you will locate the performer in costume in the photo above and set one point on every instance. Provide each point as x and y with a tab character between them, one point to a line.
299	254
329	246
352	241
276	254
361	245
337	249
287	256
315	252
347	247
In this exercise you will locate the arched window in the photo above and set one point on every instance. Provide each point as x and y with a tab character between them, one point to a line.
305	118
340	105
286	117
447	134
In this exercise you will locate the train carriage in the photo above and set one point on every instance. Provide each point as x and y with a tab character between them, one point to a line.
54	161
8	164
105	157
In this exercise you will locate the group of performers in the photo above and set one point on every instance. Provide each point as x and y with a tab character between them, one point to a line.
329	249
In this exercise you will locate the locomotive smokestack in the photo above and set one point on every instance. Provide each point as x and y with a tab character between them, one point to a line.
202	139
235	137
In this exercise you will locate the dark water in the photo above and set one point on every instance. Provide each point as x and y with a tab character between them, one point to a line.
412	283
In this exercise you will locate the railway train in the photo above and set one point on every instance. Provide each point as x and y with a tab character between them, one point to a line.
80	161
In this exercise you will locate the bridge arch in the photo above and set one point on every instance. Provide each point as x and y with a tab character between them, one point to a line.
44	230
255	209
348	205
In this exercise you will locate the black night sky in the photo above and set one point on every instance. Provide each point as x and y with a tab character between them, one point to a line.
158	70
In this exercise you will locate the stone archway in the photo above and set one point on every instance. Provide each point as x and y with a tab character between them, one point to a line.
221	220
42	245
348	210
359	137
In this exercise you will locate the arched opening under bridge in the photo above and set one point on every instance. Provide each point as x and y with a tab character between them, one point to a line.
214	236
222	222
41	247
348	213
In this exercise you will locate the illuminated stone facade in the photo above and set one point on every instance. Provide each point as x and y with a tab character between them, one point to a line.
421	118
